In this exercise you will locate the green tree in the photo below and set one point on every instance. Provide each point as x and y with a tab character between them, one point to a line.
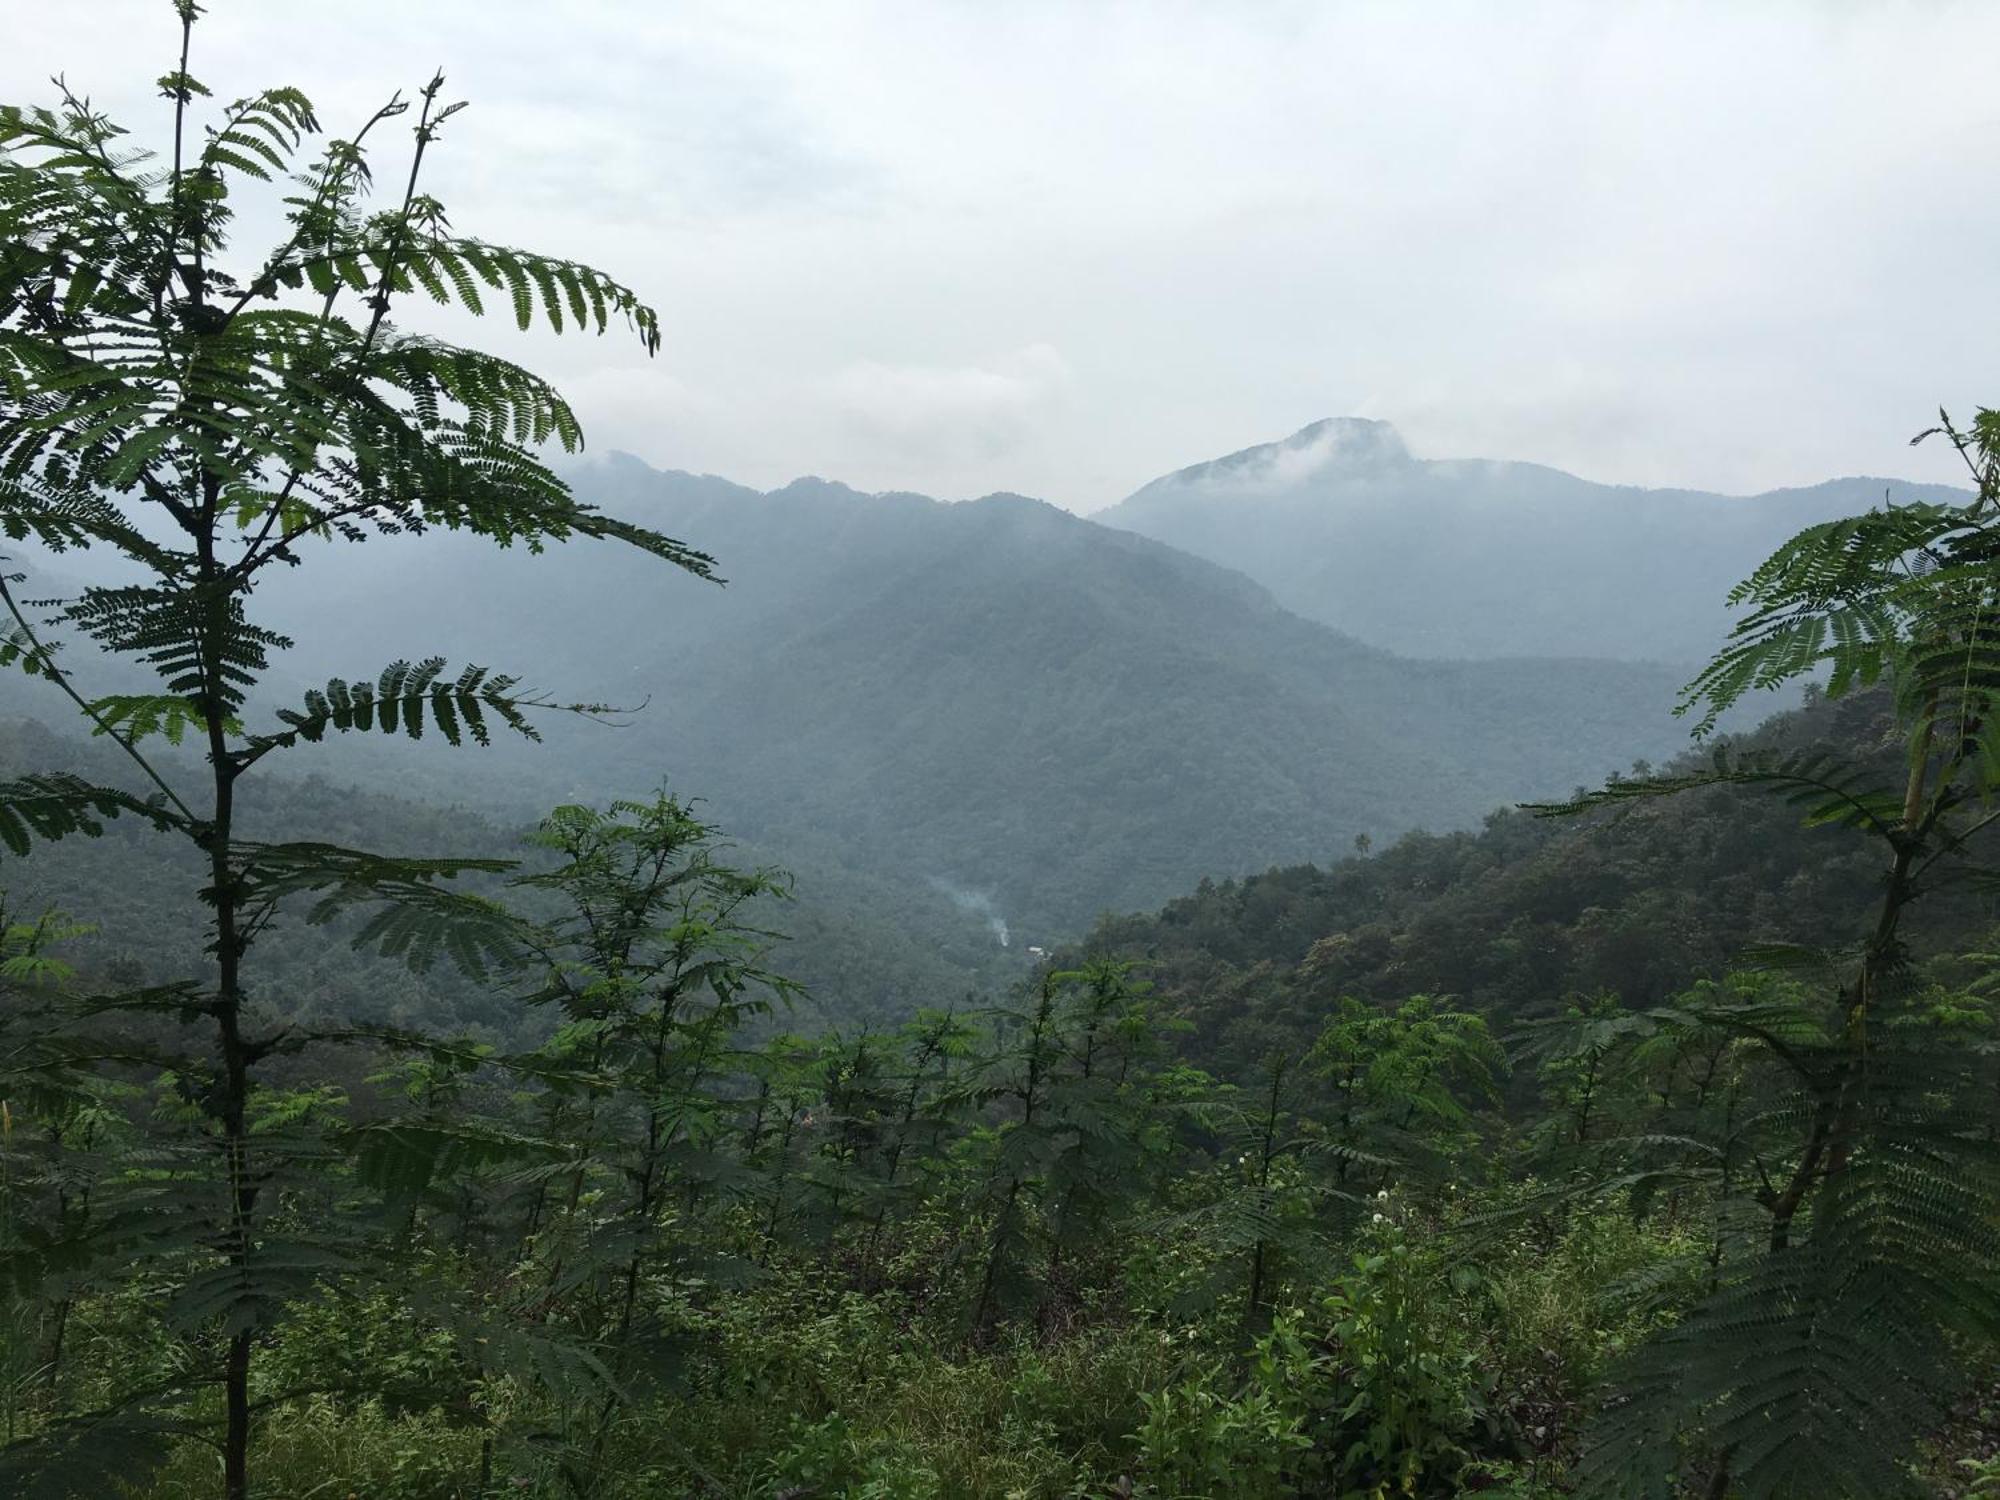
1824	1349
38	1196
1585	1067
1072	1077
1265	1210
1400	1080
920	1120
212	425
653	971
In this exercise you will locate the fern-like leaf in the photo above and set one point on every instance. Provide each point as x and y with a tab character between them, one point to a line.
413	917
59	805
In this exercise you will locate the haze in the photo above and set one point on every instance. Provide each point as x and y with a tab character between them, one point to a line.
1062	249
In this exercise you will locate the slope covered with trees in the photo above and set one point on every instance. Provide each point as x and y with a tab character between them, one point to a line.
994	694
861	951
1520	917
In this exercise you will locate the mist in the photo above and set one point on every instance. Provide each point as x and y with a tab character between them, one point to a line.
974	903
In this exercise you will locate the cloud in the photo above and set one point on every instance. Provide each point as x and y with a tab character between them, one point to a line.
953	413
1355	447
1729	246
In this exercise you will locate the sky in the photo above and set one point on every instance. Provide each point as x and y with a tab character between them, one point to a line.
1062	248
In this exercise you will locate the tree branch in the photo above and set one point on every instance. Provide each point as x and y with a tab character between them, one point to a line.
60	678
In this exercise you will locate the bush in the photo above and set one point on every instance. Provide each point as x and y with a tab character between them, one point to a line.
1197	1442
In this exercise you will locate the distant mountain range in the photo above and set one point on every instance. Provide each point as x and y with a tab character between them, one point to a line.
1471	558
997	695
950	718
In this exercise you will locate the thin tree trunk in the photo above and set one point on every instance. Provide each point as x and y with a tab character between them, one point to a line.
225	897
1258	1256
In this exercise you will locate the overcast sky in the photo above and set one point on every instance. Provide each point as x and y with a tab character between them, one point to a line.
1063	248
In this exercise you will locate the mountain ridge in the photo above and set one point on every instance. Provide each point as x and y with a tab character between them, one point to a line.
997	692
1481	558
897	693
1382	438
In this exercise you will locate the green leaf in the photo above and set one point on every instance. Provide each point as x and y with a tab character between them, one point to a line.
58	805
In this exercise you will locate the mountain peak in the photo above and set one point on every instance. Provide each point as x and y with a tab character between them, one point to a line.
812	487
1349	435
1333	446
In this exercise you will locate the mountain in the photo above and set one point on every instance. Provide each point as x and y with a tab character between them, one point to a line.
960	725
994	697
1471	558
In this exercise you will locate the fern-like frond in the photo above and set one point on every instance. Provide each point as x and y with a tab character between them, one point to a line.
406	696
65	519
1823	1357
412	916
1812	1376
401	1158
1822	786
532	283
19	647
258	135
1836	596
138	716
195	643
255	1289
58	805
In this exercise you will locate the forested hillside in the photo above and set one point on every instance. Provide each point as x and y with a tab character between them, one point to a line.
862	951
942	716
993	694
1480	558
1529	913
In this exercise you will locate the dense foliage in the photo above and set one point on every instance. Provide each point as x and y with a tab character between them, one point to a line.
206	426
1637	900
